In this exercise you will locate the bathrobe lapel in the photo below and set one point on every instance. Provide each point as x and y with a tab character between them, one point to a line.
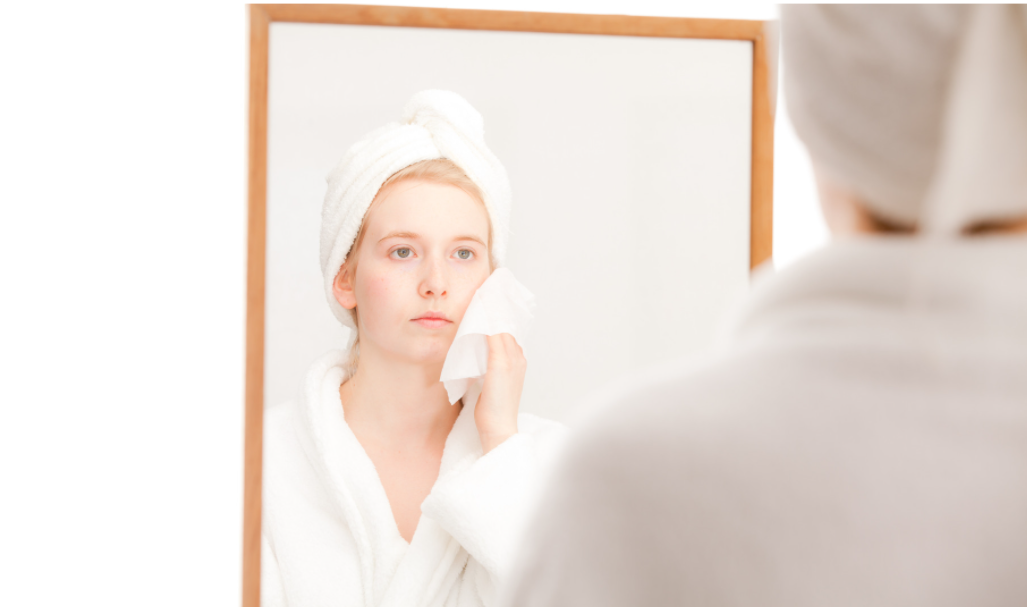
350	478
433	563
393	573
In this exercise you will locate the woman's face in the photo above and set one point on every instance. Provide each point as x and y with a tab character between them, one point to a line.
423	256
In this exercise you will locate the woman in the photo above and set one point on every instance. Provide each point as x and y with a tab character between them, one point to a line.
377	490
862	439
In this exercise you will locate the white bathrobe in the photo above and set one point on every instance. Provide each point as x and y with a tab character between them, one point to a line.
862	441
329	536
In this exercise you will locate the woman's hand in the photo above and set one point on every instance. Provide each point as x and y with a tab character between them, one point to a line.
495	415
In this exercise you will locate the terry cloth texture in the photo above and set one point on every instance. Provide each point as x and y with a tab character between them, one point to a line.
329	536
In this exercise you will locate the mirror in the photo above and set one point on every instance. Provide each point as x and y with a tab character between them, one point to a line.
638	149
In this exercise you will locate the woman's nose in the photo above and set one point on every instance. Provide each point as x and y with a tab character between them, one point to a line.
433	284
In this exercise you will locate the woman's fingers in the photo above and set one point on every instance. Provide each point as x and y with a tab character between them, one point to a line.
505	343
496	411
497	350
513	348
503	348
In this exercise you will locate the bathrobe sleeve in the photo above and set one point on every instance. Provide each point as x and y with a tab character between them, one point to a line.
485	502
582	548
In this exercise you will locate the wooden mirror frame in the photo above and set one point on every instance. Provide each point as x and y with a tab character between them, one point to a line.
760	33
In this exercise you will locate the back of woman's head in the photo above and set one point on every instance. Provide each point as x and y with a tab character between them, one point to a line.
919	110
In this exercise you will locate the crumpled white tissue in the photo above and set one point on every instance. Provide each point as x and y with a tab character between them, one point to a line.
500	305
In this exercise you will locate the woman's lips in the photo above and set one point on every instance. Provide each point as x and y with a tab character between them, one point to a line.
432	323
433	320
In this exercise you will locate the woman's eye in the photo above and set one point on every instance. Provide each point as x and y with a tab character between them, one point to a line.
465	254
403	253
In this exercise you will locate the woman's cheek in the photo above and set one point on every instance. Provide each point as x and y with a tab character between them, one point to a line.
377	296
382	291
469	284
380	286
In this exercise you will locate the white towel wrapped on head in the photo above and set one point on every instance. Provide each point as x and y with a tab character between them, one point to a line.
920	110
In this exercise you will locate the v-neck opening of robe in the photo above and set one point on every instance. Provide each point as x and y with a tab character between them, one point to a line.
331	535
462	443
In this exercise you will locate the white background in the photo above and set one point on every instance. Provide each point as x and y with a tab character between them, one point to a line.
630	217
122	244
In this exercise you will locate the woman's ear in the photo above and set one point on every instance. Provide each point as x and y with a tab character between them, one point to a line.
342	288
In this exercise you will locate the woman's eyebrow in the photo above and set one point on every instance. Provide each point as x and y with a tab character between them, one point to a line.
399	235
473	238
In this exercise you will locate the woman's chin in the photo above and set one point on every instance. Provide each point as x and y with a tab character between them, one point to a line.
430	349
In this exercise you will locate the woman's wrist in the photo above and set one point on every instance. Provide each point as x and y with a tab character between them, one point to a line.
493	438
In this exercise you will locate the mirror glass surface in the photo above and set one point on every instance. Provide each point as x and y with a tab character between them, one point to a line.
629	159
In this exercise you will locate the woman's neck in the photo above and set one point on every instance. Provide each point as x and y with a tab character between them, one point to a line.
396	403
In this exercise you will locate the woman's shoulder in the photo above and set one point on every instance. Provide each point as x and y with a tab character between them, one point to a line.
284	418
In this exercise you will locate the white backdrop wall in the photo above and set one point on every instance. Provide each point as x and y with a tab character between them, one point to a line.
631	188
122	240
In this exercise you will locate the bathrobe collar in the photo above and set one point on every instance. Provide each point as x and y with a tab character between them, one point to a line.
391	570
954	298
